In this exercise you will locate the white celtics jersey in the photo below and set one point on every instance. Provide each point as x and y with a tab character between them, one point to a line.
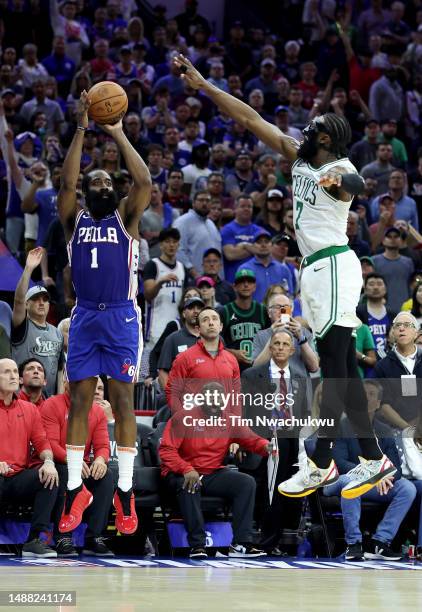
163	308
320	220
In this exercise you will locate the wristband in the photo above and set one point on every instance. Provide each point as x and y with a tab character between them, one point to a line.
82	128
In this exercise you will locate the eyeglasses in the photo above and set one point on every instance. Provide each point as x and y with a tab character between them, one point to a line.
405	324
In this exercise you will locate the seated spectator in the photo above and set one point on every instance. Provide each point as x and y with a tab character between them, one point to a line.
400	405
298	115
180	341
308	72
32	336
125	70
243	318
198	233
171	81
32	380
291	66
218	160
381	168
133	128
238	236
30	68
266	269
410	451
265	81
360	247
282	121
97	477
192	465
386	99
212	265
19	482
416	304
280	310
100	400
278	375
396	492
59	65
280	245
405	206
215	187
216	76
155	165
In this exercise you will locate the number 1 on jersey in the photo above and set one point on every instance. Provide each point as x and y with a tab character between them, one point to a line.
94	260
299	210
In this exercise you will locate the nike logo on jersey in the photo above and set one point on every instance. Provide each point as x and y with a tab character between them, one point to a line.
318	269
129	320
233	317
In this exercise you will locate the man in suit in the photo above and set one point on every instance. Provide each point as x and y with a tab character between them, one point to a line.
283	388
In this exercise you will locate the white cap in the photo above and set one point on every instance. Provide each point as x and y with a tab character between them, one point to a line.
275	193
36	290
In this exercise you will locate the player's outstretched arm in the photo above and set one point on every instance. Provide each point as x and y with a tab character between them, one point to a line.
66	200
138	198
239	111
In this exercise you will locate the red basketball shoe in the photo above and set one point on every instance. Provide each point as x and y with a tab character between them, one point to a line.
126	519
76	502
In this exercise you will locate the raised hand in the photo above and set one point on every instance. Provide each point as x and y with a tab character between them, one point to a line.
190	75
34	258
82	109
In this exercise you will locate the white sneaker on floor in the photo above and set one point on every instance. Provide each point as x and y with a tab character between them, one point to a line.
245	551
308	479
366	475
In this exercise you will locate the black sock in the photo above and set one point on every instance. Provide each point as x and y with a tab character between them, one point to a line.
34	534
370	448
323	452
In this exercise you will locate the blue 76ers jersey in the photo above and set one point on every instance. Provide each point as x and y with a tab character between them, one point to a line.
104	259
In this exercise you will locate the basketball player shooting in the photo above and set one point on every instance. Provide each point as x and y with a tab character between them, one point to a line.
324	184
105	332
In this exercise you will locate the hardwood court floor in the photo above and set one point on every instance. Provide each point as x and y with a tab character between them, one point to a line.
213	589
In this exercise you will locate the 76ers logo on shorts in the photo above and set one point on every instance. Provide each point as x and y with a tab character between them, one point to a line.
128	368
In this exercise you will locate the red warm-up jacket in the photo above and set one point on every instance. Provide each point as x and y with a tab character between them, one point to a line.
54	414
23	396
184	448
20	425
195	367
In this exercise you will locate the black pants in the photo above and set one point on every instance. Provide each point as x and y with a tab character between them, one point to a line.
26	487
96	516
237	487
283	511
342	391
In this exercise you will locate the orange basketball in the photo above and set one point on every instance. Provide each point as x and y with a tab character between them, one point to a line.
108	102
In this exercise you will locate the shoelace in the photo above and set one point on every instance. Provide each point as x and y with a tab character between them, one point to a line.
361	471
307	475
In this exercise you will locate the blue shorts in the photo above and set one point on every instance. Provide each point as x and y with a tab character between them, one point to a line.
105	339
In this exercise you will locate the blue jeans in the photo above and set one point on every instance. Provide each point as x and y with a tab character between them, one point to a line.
399	500
418	485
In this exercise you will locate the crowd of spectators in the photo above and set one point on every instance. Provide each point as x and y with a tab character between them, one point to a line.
219	229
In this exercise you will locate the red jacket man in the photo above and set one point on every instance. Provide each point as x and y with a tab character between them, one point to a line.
192	450
55	411
98	479
21	426
195	366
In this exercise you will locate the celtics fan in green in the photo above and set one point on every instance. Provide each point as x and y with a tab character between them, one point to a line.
243	318
324	184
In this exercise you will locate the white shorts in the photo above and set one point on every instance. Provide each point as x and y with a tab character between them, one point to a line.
330	292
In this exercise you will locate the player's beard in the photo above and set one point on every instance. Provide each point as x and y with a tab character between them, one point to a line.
101	203
308	149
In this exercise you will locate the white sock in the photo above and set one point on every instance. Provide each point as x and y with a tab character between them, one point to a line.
75	457
126	457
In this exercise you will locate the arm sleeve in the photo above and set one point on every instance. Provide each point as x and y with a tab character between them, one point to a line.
169	450
100	438
52	427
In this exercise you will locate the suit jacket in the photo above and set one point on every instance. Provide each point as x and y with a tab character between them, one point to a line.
256	381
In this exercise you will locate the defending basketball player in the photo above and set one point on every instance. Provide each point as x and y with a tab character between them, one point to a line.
324	184
105	332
